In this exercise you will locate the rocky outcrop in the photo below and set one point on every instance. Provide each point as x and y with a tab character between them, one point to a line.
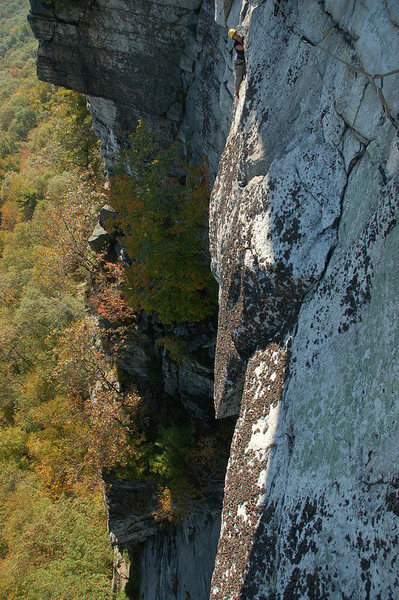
161	61
122	53
130	507
187	377
304	236
178	564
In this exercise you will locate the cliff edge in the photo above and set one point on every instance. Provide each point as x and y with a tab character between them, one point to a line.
304	243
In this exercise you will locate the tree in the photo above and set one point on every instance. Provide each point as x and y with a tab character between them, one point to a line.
112	416
162	209
77	142
53	542
54	549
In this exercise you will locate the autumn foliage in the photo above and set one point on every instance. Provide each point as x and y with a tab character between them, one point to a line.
162	210
107	299
65	418
53	539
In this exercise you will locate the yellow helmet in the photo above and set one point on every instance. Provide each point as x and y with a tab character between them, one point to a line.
231	32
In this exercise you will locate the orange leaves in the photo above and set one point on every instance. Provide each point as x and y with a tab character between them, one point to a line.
113	307
107	300
14	71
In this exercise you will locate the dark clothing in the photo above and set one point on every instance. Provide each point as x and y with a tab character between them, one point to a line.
239	63
240	53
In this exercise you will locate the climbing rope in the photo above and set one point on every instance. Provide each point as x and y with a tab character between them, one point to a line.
306	38
326	34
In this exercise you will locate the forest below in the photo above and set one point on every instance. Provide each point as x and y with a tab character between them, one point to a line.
53	540
55	441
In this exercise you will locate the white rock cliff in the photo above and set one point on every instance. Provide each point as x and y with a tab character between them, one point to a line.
304	241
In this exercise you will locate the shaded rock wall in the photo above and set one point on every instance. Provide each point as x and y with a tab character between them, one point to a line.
188	378
117	51
163	61
179	564
166	62
166	561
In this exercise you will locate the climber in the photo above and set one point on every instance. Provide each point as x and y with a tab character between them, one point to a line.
239	60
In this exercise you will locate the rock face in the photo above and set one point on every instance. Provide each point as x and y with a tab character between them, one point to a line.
130	508
188	378
141	60
304	241
118	52
304	238
180	565
175	561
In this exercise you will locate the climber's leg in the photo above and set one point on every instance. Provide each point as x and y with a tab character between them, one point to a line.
239	72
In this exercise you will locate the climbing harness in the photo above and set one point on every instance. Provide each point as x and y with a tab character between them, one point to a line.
306	38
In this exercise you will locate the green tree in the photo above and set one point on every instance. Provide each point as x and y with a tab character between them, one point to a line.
78	144
55	549
162	210
25	119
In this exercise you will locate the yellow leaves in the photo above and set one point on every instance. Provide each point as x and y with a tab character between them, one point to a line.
68	220
46	444
173	346
9	215
108	414
80	358
57	446
12	442
165	509
55	549
49	272
172	505
9	291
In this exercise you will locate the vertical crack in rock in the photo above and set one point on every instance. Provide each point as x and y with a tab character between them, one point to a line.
352	164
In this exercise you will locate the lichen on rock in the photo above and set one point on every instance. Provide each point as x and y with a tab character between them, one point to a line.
303	225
